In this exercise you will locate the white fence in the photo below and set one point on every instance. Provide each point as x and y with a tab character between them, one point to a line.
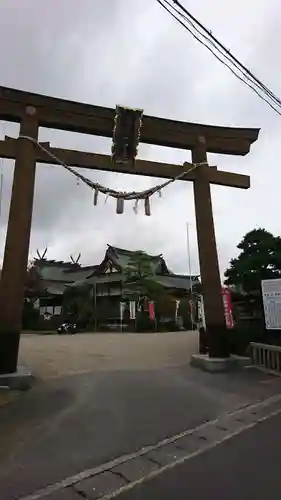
266	357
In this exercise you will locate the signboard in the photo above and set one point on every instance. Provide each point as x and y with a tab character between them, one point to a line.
227	304
271	296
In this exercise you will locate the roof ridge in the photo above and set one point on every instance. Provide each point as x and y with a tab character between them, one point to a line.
57	263
125	250
80	268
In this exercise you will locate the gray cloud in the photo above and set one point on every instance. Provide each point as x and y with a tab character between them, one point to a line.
132	53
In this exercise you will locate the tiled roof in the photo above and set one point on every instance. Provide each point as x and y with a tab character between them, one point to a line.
65	272
97	278
121	257
60	275
175	281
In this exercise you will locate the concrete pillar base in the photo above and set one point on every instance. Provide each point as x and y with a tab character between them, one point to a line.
218	365
21	380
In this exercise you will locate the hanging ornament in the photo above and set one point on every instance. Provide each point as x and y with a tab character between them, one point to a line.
135	207
126	134
120	206
147	206
96	195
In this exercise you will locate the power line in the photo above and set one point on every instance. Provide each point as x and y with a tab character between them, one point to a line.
247	77
217	57
207	35
225	54
214	39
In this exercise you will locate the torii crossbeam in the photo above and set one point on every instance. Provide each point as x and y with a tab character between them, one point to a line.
33	111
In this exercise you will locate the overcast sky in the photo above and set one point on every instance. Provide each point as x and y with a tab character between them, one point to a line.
131	52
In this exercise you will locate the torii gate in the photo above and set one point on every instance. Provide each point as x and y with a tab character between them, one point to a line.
33	111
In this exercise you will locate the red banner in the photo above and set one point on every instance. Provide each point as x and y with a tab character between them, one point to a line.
151	311
227	303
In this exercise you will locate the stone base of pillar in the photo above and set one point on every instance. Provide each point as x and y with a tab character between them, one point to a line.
21	380
218	365
9	348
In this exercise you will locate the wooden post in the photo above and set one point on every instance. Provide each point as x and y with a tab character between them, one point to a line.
17	245
216	333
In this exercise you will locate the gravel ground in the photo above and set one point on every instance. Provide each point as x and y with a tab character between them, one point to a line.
52	356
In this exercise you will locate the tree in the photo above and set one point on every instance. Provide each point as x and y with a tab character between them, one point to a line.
34	287
139	279
139	282
78	304
260	258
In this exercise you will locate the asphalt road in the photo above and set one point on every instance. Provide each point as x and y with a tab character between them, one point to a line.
98	398
246	467
66	426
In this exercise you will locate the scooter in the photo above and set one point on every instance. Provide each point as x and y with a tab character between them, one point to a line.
67	327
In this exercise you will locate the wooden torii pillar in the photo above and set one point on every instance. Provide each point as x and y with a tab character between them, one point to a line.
32	111
215	336
13	275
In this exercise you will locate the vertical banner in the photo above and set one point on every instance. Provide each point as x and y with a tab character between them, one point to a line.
177	309
132	306
191	312
122	309
151	311
227	304
201	312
